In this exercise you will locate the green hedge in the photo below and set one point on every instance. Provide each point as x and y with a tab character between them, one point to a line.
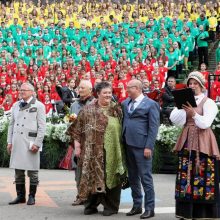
164	161
4	156
54	151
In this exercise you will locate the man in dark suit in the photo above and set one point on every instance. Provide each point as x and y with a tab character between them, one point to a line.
168	102
67	94
140	127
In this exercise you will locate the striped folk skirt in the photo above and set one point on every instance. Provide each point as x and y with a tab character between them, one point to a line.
197	186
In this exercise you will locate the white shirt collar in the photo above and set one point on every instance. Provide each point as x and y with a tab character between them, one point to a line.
139	98
28	101
199	98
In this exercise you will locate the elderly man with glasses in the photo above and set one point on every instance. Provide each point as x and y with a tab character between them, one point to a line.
25	137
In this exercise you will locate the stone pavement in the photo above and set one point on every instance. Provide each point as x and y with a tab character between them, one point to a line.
57	191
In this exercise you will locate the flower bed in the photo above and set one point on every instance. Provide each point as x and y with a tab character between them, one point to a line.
164	158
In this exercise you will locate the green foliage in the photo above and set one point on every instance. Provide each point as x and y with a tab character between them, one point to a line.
4	156
216	127
53	152
55	120
167	136
164	160
156	159
1	112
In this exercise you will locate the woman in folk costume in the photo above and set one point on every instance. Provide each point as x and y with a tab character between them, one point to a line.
197	181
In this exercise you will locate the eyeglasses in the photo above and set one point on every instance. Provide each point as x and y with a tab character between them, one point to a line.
129	87
24	90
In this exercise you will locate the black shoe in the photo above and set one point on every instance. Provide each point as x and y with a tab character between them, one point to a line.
134	211
31	199
147	214
108	212
18	200
90	211
20	189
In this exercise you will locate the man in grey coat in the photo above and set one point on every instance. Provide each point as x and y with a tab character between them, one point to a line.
85	96
25	138
140	126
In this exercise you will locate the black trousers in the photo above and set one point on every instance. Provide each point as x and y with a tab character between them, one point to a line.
212	36
179	69
203	56
171	73
110	200
191	57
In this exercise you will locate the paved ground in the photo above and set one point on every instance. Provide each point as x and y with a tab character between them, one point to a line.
57	191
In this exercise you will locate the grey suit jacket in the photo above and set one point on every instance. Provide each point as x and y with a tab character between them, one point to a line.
141	126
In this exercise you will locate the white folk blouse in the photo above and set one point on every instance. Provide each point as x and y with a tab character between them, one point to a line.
210	110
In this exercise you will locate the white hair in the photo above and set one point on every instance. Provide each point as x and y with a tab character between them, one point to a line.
30	86
87	83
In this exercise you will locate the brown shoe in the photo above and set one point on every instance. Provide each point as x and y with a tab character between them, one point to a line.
77	202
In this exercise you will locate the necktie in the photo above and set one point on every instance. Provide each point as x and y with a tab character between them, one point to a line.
23	104
132	106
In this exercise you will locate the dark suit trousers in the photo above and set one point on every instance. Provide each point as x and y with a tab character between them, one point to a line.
140	173
203	55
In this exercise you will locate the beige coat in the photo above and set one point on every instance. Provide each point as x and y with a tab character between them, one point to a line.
28	124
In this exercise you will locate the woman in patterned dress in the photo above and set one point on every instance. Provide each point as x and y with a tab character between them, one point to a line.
97	138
